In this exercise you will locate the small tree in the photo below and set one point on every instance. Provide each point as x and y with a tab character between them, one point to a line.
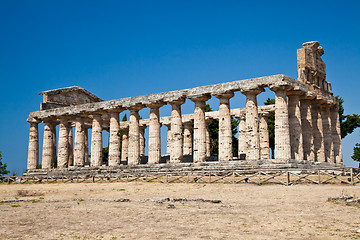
356	154
3	167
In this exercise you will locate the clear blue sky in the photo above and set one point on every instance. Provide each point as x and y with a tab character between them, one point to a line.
117	49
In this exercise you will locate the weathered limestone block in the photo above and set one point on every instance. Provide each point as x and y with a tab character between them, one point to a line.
114	139
154	134
264	136
336	133
79	148
124	145
187	149
328	143
134	142
63	147
33	150
296	141
242	144
96	141
252	124
48	145
307	129
199	151
317	132
225	130
282	133
176	154
70	146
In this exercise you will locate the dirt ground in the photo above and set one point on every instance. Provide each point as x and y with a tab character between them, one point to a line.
66	211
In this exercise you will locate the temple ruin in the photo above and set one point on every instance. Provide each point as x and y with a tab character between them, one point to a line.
307	127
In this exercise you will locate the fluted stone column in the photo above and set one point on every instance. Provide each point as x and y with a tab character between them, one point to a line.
79	146
124	145
208	121
327	134
96	141
225	130
264	137
54	157
168	138
282	132
242	144
70	146
336	133
307	129
187	148
252	124
296	141
48	145
142	140
33	150
154	154
199	128
317	132
86	135
63	149
134	142
114	139
176	154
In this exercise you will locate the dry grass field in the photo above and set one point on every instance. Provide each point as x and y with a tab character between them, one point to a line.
80	211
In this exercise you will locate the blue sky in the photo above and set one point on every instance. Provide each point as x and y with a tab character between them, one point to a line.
117	49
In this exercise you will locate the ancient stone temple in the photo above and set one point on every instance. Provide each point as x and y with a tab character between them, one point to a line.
307	127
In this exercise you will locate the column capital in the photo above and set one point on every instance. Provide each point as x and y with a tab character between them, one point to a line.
115	110
179	101
226	95
254	91
307	96
137	107
155	105
294	93
281	88
199	97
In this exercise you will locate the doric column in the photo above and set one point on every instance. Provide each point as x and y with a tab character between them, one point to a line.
33	150
70	146
282	132
199	128
63	148
264	137
242	144
48	145
317	131
96	141
176	153
327	135
114	139
296	141
187	148
168	138
225	130
54	157
124	145
142	139
336	133
79	148
134	143
154	154
86	136
307	129
208	121
252	124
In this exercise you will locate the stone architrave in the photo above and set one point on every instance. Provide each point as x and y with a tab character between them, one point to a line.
199	150
296	141
187	148
63	148
154	155
242	144
33	150
225	130
327	135
134	142
114	139
70	146
252	124
79	145
282	133
307	129
48	145
317	131
125	145
176	153
96	141
336	133
264	137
